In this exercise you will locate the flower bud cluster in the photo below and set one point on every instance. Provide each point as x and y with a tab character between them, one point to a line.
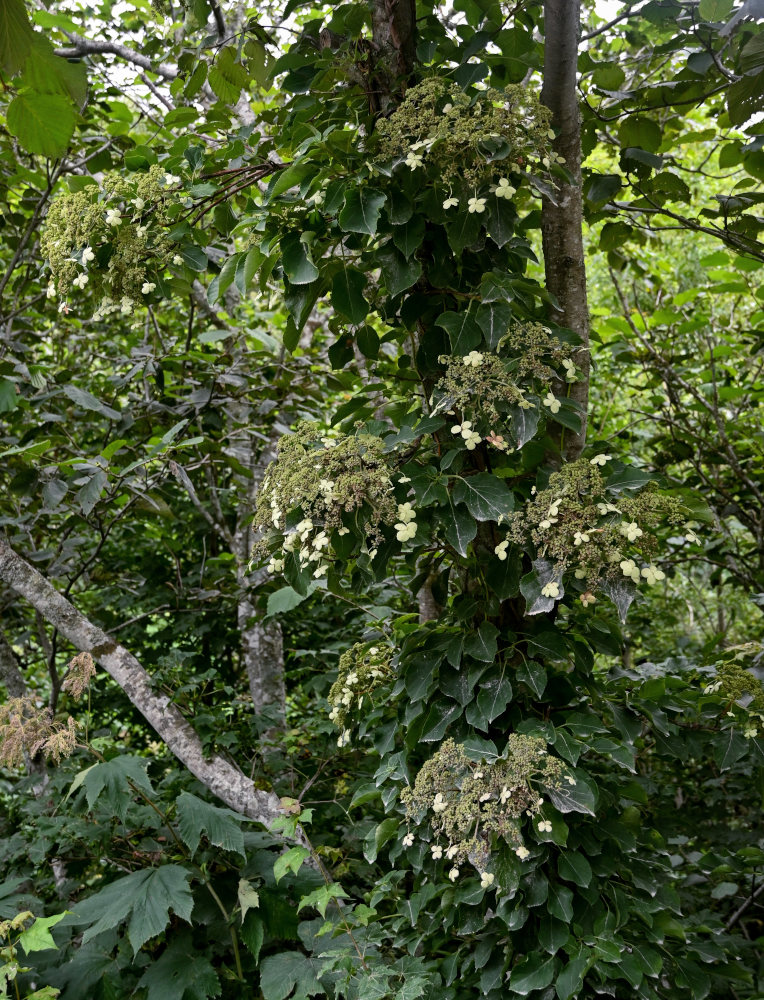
581	525
469	804
741	688
321	485
362	668
442	126
110	238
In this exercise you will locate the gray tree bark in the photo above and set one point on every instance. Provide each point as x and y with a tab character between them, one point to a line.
10	672
562	220
216	773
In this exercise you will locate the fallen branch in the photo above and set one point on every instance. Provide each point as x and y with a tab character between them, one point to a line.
216	773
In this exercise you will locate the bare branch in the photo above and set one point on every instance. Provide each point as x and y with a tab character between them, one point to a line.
87	47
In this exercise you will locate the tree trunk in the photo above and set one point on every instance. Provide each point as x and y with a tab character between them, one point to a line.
561	223
216	773
10	674
393	28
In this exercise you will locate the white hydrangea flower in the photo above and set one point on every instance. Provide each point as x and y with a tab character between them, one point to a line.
454	874
545	826
406	512
344	738
405	532
630	569
570	370
414	160
80	281
463	428
631	530
750	732
320	571
275	565
570	780
408	840
501	549
551	589
607	508
437	852
486	880
600	459
552	402
580	537
504	189
452	852
476	206
472	441
171	179
474	359
372	554
139	203
580	574
177	260
113	217
87	255
148	287
404	479
522	852
343	531
450	202
587	598
653	575
690	536
505	795
439	803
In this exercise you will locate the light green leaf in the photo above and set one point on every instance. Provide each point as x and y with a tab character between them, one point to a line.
37	937
715	10
43	123
290	861
321	897
227	76
247	896
222	827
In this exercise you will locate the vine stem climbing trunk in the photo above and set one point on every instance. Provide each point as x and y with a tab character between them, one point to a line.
562	218
219	775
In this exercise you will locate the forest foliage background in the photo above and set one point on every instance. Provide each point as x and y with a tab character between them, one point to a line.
382	510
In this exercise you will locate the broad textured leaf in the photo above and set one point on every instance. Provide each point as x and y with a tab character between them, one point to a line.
463	330
486	497
290	861
493	319
324	894
89	494
525	423
493	697
296	259
570	980
532	973
247	897
143	899
227	77
113	779
90	402
397	272
360	213
16	35
533	583
715	10
43	123
482	645
460	529
347	294
409	236
180	973
581	797
463	231
9	398
283	600
289	971
222	827
573	867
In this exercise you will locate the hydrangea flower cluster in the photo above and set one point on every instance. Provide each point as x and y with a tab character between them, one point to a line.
320	485
469	804
739	685
26	729
578	523
362	668
486	138
484	386
102	237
